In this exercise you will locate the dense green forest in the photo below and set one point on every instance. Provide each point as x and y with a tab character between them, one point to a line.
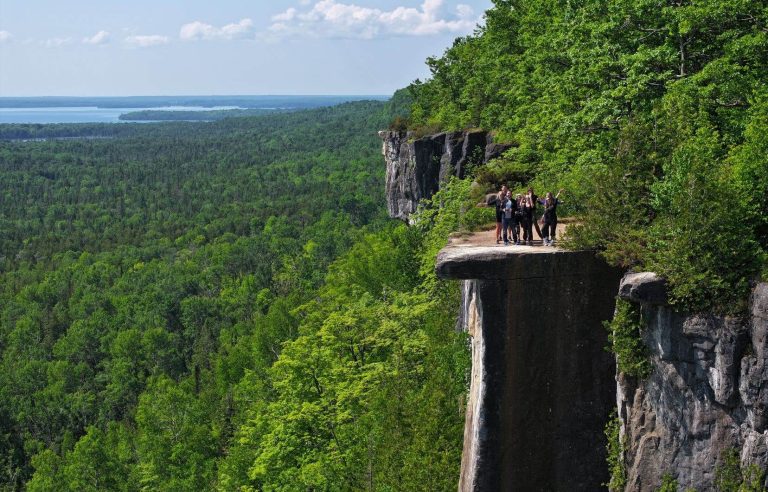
653	115
221	306
224	305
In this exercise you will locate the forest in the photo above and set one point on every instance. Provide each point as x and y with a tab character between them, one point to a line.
226	306
653	115
221	306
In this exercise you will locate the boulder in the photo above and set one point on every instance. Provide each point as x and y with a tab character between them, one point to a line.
643	288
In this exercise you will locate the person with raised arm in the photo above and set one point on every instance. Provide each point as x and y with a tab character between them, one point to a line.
549	219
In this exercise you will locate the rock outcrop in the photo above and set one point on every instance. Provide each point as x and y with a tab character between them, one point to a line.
542	384
707	393
417	166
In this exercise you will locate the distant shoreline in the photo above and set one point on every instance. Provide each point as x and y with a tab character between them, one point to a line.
245	102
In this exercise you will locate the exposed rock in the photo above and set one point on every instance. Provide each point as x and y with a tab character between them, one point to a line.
643	288
541	383
495	150
707	393
417	166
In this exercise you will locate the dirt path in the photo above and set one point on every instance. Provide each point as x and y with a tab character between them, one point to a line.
488	238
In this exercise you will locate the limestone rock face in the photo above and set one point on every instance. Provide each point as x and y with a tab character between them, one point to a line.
417	166
541	384
707	393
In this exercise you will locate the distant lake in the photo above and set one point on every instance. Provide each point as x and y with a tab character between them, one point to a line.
108	109
84	114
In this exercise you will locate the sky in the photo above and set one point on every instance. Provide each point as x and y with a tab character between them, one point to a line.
228	47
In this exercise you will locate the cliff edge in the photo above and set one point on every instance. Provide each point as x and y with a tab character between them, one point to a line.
542	385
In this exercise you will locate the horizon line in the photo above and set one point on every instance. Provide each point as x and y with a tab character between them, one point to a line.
199	95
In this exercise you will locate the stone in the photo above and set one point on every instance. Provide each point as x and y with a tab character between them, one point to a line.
490	199
541	383
416	167
643	288
495	150
707	393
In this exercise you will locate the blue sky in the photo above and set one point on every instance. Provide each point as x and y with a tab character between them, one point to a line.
163	47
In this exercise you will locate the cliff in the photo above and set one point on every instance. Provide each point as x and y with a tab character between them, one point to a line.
417	166
542	385
707	392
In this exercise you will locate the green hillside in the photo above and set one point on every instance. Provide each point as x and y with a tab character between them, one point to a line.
222	305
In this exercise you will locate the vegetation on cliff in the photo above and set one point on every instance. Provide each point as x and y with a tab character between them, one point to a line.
652	115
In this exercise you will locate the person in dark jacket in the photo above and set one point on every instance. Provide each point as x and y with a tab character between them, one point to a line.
501	196
519	213
508	218
549	219
533	200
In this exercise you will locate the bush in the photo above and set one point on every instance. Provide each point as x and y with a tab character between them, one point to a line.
399	124
625	341
615	455
668	483
731	477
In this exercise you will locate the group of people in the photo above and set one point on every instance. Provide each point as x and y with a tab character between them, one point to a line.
516	217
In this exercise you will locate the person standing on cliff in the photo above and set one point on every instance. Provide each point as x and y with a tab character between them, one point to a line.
501	197
549	219
531	201
508	218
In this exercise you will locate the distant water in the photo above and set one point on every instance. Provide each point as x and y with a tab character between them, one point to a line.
83	114
107	110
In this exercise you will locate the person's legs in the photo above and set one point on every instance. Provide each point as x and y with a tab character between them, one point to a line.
545	232
525	227
529	227
504	229
553	227
513	226
498	231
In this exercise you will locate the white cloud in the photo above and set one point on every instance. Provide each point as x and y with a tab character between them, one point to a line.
5	36
199	30
101	37
329	18
56	42
145	41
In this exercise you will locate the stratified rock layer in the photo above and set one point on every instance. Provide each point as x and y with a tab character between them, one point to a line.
542	384
417	166
707	393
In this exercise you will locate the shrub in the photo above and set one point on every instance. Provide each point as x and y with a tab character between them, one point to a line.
731	477
668	483
625	341
615	455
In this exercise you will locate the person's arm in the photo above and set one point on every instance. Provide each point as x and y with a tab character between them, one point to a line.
558	193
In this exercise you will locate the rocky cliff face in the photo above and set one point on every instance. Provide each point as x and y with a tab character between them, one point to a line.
708	391
417	166
542	384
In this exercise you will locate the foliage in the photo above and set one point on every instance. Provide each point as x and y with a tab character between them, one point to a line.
652	117
626	342
668	483
615	455
731	477
222	306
